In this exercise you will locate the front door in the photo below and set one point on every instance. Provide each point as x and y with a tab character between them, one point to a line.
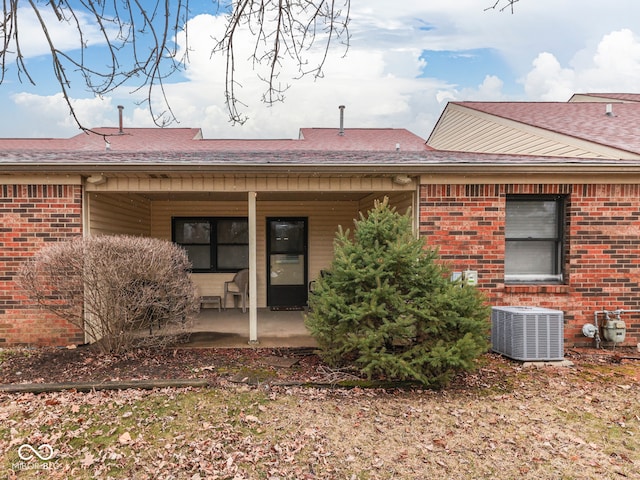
286	262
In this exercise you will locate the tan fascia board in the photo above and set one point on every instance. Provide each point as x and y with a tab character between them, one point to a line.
598	149
441	118
541	174
71	173
40	179
538	179
585	97
169	169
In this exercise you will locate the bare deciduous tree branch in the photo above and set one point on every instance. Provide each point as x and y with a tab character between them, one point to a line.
283	29
502	5
139	40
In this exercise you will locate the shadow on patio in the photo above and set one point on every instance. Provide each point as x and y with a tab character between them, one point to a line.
230	328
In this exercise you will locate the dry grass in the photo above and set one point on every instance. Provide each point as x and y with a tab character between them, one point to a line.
503	422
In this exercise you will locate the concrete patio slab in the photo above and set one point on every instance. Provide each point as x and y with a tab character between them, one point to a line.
230	328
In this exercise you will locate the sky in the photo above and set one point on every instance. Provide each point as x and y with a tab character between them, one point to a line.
406	59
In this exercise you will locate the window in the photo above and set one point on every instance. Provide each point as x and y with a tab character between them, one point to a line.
213	244
534	239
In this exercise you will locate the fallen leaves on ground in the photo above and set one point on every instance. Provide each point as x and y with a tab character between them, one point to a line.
502	421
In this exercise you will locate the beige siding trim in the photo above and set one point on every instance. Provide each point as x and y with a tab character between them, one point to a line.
581	97
118	214
323	220
239	183
541	178
464	129
577	98
115	213
401	201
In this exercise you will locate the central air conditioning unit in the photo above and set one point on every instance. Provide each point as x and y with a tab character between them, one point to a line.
527	333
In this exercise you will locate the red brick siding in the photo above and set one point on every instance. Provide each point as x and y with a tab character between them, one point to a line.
32	216
602	249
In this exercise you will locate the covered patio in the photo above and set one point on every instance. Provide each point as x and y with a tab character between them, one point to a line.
296	257
230	328
272	208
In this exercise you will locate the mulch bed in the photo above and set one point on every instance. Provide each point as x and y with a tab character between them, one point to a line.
215	365
51	365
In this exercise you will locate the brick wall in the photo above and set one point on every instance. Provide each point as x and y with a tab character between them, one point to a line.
32	216
602	248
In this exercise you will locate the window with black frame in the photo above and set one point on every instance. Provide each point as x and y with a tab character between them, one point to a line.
534	239
213	244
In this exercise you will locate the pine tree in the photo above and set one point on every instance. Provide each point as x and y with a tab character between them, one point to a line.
388	307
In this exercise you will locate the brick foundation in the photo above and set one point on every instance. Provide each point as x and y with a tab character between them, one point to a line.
602	248
33	216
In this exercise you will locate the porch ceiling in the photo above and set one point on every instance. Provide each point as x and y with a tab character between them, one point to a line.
262	196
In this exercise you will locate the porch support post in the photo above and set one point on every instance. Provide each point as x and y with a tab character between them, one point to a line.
86	232
253	284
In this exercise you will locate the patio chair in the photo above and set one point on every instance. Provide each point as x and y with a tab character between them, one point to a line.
238	287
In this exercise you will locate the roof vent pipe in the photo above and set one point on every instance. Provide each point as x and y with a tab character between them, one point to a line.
609	110
120	109
341	132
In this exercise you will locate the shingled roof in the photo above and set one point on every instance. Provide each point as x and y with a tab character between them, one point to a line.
359	151
136	140
603	128
586	121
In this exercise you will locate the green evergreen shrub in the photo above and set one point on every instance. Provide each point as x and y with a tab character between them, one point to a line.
388	307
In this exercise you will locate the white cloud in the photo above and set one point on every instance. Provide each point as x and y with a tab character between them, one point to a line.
490	90
52	113
548	80
616	61
381	81
375	84
53	119
614	66
64	35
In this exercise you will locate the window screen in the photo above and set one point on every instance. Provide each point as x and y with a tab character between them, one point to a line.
533	232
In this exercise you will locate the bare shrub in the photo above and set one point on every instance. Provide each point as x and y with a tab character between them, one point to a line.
124	291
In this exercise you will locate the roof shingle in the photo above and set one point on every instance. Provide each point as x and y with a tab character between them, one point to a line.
190	139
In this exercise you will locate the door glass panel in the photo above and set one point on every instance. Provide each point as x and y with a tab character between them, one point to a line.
287	236
287	269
